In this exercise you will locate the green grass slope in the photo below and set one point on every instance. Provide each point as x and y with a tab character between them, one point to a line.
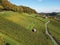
54	29
19	27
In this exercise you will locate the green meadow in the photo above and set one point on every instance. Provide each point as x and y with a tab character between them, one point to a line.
54	29
17	28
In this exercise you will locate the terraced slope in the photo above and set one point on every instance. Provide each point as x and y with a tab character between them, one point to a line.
19	27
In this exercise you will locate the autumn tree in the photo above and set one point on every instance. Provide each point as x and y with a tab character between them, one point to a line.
12	7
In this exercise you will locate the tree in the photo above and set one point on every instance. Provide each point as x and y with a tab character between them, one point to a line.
21	9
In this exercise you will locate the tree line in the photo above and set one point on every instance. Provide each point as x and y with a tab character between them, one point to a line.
6	5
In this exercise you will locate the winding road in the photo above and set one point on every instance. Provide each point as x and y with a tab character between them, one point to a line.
47	33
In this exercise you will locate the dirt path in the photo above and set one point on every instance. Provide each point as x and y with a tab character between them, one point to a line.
47	32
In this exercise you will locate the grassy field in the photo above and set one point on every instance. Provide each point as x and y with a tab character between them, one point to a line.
54	29
19	28
8	40
1	40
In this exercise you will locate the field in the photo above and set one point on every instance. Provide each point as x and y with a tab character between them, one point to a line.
54	29
17	28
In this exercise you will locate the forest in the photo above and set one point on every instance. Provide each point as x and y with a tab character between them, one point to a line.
6	5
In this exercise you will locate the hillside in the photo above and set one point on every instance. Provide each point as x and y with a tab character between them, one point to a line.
12	7
16	29
55	30
19	27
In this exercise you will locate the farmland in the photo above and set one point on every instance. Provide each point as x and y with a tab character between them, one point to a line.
19	28
29	22
54	29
